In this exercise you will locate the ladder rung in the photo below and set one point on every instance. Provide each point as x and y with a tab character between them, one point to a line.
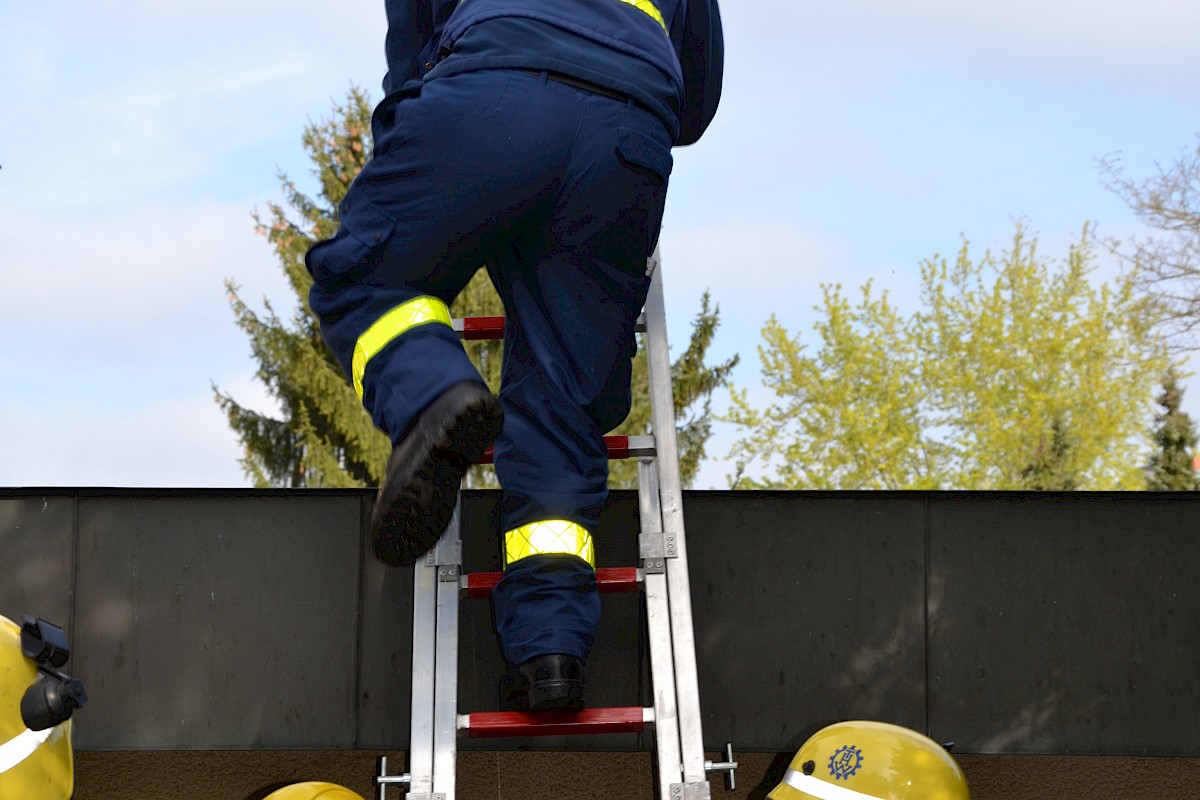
474	328
619	447
471	328
492	724
608	580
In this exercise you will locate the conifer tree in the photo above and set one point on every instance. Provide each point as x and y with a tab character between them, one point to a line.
1172	464
322	436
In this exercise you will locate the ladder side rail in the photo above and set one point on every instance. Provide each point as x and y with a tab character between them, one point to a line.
420	749
658	623
448	559
671	492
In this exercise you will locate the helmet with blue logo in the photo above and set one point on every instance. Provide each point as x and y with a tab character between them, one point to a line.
871	761
36	702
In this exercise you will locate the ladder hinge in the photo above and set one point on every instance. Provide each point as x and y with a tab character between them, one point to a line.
448	574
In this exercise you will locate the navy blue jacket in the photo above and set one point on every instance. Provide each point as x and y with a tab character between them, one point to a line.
667	54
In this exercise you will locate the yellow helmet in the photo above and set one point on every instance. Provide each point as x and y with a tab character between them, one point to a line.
313	790
36	701
871	761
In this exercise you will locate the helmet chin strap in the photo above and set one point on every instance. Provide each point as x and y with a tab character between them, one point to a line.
21	747
815	787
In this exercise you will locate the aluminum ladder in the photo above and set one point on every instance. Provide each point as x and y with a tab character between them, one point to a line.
438	582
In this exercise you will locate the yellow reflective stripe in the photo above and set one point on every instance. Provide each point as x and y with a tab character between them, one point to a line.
552	536
418	311
649	8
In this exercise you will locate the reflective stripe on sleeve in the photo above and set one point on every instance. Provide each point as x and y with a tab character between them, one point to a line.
418	311
21	747
650	9
815	787
553	536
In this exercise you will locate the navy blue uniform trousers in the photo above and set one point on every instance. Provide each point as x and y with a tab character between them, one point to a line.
560	192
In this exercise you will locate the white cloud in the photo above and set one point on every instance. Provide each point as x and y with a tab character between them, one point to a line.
126	313
142	282
753	270
165	15
137	103
180	442
1119	40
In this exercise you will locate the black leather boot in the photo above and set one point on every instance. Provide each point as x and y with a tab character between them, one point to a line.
419	493
553	683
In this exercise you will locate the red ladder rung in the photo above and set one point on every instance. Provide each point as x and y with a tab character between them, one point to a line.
492	724
618	447
474	328
609	580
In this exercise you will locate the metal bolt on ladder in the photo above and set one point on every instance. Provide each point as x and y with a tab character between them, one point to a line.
662	577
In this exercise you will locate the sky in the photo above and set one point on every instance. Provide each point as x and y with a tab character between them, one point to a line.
854	140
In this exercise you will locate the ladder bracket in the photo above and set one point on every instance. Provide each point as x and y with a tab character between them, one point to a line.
657	545
448	574
654	548
444	553
688	791
651	545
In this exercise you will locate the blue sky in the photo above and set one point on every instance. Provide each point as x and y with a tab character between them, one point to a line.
853	141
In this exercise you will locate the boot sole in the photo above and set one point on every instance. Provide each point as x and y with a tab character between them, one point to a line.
417	499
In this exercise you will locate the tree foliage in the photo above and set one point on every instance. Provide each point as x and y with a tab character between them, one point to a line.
1010	376
322	436
1168	263
1172	462
693	383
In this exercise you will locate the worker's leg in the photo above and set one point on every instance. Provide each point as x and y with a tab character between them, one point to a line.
572	295
444	178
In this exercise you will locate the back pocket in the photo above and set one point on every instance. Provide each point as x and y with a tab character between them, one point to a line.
642	153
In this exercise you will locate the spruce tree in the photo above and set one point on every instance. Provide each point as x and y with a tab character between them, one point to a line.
322	436
1050	469
1172	464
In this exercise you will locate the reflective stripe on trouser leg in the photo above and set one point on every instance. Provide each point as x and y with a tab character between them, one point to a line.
418	311
549	537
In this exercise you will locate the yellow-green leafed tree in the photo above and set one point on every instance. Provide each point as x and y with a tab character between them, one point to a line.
1012	375
849	415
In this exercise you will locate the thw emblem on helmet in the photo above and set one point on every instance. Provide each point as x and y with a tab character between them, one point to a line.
845	761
